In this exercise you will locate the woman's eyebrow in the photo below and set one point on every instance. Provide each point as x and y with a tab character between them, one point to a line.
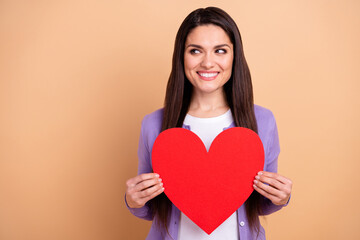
222	45
194	45
217	46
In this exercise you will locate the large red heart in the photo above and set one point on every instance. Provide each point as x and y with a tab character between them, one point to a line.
208	186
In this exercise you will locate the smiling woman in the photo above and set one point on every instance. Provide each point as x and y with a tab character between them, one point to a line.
208	60
209	90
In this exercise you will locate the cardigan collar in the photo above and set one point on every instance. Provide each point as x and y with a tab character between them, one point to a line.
189	128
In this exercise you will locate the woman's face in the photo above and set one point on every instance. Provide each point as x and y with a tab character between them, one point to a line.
208	58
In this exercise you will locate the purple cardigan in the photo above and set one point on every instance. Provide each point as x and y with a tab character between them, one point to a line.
150	129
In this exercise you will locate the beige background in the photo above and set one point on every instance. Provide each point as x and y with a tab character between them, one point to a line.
76	78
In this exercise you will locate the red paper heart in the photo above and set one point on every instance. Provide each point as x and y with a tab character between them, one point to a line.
208	186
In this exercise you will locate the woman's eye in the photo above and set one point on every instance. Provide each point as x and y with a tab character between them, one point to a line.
194	51
220	51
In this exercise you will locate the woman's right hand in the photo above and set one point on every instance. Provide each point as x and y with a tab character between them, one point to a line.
143	188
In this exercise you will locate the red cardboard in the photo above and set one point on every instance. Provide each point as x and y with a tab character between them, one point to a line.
208	187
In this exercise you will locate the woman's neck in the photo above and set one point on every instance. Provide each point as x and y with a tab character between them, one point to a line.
206	105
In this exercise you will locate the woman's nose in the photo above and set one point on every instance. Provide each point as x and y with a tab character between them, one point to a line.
207	61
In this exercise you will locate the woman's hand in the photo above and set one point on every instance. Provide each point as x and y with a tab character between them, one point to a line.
142	188
275	187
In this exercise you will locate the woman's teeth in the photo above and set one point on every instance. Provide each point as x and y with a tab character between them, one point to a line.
208	75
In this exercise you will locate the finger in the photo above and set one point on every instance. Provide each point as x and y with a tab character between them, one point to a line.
139	178
139	198
154	194
271	181
272	198
268	189
146	184
286	182
151	190
276	196
276	176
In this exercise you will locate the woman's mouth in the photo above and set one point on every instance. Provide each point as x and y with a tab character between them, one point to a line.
207	76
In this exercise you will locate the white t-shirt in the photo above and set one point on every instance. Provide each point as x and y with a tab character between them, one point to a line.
207	129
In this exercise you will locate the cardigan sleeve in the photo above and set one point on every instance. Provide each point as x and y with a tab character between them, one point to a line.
272	150
144	166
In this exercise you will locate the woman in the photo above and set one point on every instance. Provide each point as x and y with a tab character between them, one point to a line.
209	90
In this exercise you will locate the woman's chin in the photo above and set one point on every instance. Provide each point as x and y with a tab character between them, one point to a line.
208	90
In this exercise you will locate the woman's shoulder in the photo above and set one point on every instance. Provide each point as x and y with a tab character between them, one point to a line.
154	118
263	112
151	125
265	120
263	115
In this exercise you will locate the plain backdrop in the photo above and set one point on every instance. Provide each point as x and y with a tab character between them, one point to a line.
77	77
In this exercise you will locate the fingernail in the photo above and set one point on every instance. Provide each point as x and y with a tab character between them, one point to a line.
161	184
160	179
254	185
257	177
255	181
163	189
157	175
260	173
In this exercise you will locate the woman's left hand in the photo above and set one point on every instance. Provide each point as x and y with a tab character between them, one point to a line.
275	187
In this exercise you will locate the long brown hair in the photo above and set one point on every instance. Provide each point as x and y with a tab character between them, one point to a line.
238	90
